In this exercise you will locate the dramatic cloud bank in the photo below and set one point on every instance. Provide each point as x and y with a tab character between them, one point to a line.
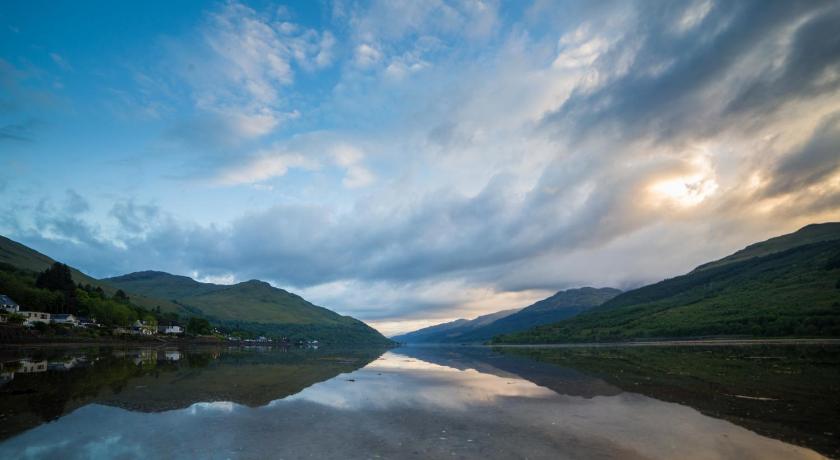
413	162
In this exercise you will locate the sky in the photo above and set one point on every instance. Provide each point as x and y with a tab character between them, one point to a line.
412	162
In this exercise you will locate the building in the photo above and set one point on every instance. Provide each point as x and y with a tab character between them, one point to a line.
140	327
64	318
28	366
171	329
32	317
6	303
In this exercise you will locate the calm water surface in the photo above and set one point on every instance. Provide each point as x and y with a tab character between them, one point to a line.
760	402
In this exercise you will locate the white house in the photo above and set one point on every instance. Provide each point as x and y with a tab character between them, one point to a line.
63	318
170	329
6	303
32	317
32	367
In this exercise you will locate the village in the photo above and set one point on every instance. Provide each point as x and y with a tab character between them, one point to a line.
12	314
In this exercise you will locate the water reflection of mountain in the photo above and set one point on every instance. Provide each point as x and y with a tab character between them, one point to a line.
791	393
784	392
42	385
565	380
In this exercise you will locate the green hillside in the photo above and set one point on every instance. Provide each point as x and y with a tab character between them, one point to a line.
251	305
787	290
562	305
26	258
161	285
813	233
254	306
250	301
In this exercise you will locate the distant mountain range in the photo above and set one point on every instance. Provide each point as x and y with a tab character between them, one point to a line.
252	305
561	305
453	330
785	286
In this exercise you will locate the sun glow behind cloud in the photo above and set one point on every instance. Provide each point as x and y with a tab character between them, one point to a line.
686	190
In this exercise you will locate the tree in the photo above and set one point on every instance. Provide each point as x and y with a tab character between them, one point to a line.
199	326
16	318
151	321
56	278
121	296
59	278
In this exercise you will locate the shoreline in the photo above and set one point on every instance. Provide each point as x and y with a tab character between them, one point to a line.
70	340
110	342
646	343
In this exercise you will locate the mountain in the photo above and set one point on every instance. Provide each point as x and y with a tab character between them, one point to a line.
26	258
785	286
447	332
252	305
561	305
813	233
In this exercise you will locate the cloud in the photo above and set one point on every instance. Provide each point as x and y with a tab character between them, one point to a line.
810	67
263	166
816	161
23	102
325	50
61	62
350	158
698	72
75	203
366	55
240	68
17	132
393	21
465	161
135	218
693	15
306	153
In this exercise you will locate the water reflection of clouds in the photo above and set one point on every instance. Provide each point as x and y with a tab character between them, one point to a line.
216	406
383	384
395	408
